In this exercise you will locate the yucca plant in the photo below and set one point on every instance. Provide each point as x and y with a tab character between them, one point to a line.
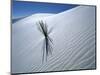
48	42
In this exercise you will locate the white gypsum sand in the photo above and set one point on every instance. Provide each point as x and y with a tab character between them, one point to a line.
73	34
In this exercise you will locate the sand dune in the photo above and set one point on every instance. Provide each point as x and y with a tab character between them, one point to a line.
73	34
